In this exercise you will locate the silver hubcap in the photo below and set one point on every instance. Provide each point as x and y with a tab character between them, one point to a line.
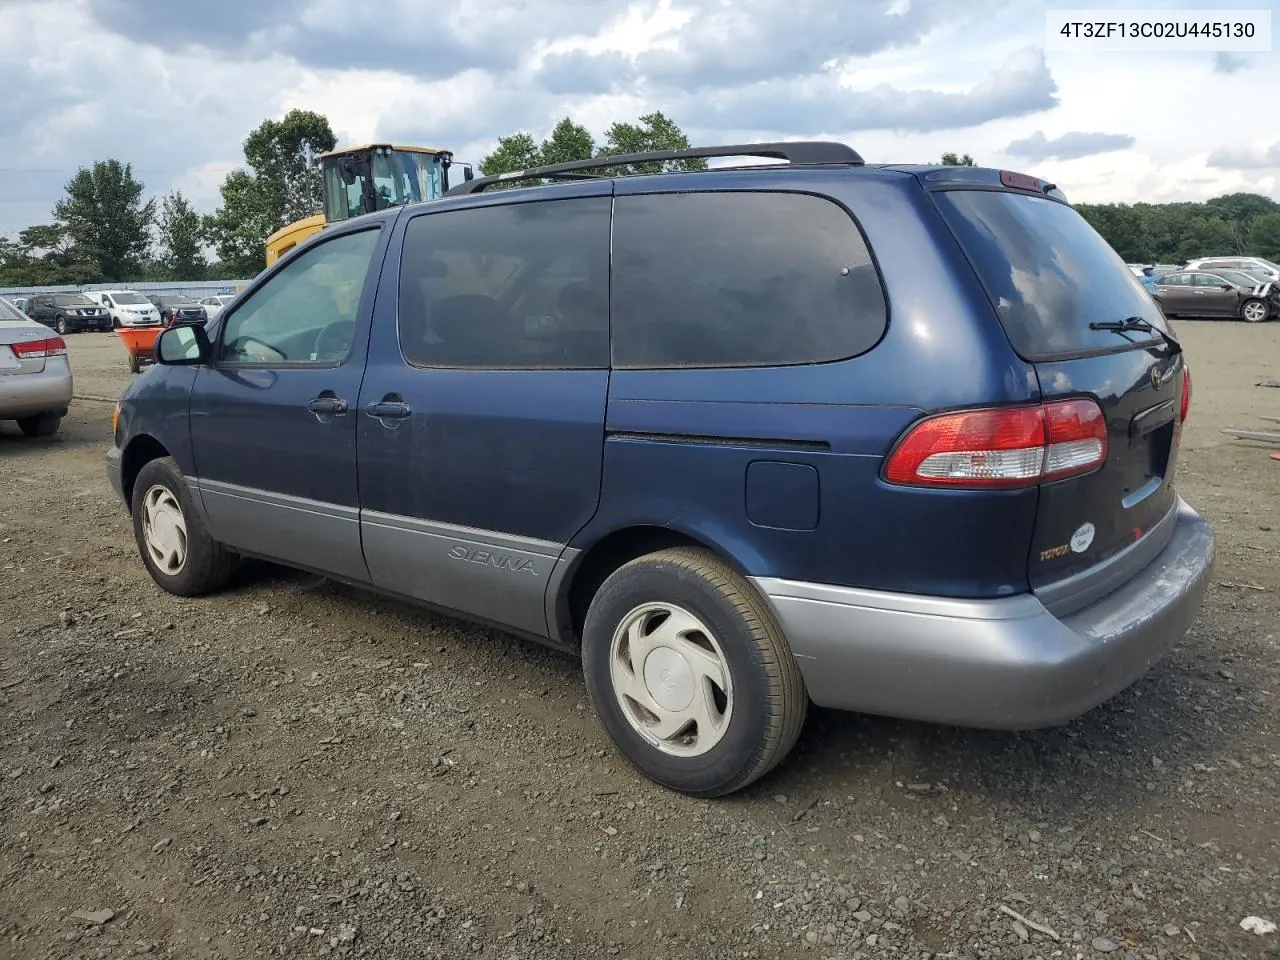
671	679
164	530
1253	312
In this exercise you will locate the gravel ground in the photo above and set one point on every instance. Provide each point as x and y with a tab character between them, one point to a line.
296	769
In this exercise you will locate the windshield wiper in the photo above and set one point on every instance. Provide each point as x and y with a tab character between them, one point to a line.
1129	324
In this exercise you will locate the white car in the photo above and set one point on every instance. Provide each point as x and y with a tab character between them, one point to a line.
1256	266
35	374
214	305
127	308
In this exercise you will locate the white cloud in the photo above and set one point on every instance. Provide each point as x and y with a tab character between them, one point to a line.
173	88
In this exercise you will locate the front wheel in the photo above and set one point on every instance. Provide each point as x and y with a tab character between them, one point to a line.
175	546
1253	311
690	673
60	325
45	426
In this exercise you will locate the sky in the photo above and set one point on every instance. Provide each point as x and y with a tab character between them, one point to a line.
174	86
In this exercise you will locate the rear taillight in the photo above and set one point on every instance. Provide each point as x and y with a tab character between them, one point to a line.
1186	393
1002	446
34	349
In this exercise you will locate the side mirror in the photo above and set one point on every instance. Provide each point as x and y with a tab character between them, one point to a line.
185	345
1227	286
468	173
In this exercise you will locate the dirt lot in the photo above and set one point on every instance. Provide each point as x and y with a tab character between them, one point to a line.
296	769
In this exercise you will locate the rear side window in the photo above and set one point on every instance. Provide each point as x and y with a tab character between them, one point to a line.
516	286
740	279
1047	272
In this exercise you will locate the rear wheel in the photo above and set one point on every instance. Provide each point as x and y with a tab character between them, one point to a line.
690	674
1253	311
176	548
45	426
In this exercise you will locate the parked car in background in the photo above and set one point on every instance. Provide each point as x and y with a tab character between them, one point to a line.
35	374
216	304
744	439
1252	264
1217	293
68	312
127	308
178	308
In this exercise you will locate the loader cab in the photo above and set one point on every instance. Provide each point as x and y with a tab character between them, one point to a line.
377	176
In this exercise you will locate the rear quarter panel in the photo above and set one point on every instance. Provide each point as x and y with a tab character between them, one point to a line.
680	443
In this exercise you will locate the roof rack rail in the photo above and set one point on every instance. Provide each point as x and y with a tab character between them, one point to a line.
797	151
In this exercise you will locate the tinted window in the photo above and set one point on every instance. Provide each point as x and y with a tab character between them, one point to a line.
307	312
1207	280
1047	272
523	285
740	279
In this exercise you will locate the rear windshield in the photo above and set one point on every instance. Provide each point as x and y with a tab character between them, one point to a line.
10	313
1048	273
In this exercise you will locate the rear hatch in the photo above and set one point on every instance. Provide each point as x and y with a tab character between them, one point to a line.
1072	309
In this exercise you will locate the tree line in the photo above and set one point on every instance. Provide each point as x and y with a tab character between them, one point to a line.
103	230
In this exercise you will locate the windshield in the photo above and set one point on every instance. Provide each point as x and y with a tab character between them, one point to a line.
1047	272
1241	278
128	298
73	300
178	298
399	177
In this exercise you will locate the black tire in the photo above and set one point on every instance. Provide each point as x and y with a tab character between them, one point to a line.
1259	308
134	365
44	426
60	325
769	702
208	564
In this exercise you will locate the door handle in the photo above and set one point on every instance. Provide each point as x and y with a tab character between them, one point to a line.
389	410
332	406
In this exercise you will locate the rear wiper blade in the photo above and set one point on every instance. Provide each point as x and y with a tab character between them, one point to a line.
1136	323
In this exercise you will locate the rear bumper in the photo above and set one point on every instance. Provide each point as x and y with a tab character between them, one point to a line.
1001	664
34	394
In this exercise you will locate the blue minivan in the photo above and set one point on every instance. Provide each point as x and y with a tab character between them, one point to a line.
891	439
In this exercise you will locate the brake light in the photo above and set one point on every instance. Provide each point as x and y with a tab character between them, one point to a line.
1186	393
35	349
1002	446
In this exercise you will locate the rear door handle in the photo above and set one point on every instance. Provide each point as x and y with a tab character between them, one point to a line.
333	406
389	410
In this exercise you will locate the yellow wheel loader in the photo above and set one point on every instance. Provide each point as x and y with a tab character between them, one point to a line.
371	177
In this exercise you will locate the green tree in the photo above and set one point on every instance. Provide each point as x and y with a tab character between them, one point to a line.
952	160
43	255
572	141
181	239
519	151
106	219
655	131
1264	238
569	141
283	184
